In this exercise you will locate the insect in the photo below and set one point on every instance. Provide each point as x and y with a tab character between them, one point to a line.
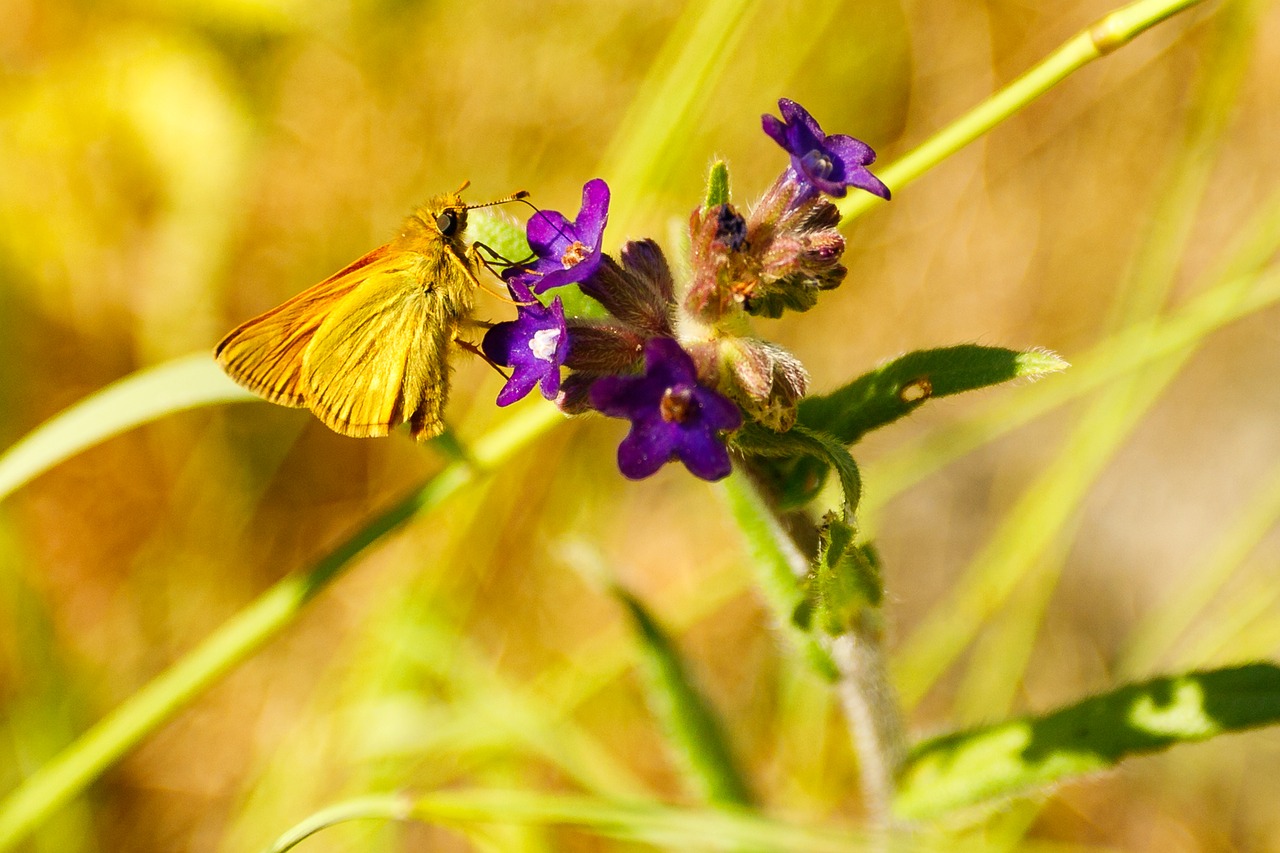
368	348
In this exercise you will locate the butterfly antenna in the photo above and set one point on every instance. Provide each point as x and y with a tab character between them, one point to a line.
494	256
518	195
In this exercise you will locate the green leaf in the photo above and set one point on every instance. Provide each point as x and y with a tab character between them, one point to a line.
717	185
893	391
692	727
997	761
799	441
903	385
500	232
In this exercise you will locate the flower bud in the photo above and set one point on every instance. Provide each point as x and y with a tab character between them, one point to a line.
765	380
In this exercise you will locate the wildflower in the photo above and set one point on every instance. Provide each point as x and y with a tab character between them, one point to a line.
672	415
567	252
821	163
534	345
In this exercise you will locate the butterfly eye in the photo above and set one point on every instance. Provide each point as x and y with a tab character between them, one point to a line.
447	222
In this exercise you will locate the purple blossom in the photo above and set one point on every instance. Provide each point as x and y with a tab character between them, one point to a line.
567	252
534	346
672	416
828	164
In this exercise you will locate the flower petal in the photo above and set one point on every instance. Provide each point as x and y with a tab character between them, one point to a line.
864	180
549	233
549	385
561	276
776	130
612	395
519	283
851	152
497	343
523	379
703	454
718	411
797	116
594	213
666	360
646	448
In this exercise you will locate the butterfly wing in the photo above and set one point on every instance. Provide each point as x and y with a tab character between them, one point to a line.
380	358
265	354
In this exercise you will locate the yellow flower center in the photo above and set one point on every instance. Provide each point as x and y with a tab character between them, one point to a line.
575	254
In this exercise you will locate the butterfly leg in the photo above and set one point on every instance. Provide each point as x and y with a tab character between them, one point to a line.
475	350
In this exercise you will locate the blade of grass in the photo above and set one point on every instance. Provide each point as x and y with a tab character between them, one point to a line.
1108	34
683	74
645	822
117	733
1116	356
693	730
1038	519
1155	635
185	383
994	670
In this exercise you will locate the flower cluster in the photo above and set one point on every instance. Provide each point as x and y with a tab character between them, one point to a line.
683	371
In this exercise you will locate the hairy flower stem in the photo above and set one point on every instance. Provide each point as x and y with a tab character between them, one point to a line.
874	717
860	676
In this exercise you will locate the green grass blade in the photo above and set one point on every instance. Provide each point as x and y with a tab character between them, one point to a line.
1108	34
1136	347
1158	633
682	76
157	702
645	822
184	383
692	727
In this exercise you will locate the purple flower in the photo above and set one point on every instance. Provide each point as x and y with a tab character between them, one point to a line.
567	252
672	416
534	346
828	164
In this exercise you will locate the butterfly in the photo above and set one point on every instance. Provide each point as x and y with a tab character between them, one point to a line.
367	349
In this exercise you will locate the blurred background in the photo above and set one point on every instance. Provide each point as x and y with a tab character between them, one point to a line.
169	169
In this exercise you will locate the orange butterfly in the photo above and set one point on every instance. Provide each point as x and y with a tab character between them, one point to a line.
367	348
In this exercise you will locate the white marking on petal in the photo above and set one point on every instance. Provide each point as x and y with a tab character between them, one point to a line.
543	345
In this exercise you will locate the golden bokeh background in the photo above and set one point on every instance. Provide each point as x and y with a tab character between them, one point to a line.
168	169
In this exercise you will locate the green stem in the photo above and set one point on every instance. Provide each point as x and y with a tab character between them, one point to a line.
779	566
65	776
853	661
1110	33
